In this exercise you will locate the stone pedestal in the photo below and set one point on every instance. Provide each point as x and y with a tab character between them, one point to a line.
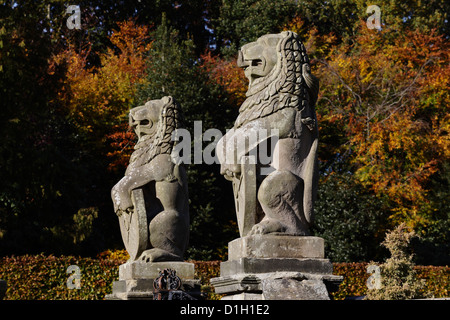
136	279
276	267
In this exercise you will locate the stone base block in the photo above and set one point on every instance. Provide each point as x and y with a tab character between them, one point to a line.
254	265
294	289
136	279
150	270
276	246
276	267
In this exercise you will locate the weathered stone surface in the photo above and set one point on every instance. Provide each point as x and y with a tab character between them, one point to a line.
133	285
244	296
245	200
262	277
276	246
290	285
150	270
237	283
293	289
253	265
151	200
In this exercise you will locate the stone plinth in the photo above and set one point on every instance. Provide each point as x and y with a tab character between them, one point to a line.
264	265
276	246
136	279
276	267
150	270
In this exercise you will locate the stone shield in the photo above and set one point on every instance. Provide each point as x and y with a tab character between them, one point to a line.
245	190
134	226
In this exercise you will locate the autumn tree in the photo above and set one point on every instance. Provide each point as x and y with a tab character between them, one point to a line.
225	73
390	98
99	96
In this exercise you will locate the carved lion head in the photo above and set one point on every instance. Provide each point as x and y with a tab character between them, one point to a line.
154	123
279	74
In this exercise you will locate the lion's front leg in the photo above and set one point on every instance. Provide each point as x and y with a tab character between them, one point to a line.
157	170
121	192
121	196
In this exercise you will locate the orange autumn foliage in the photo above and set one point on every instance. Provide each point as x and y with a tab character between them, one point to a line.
316	45
228	75
99	98
390	94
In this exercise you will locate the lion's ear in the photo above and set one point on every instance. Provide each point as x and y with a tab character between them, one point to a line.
167	100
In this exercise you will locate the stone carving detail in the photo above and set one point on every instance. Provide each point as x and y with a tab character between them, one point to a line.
281	98
151	200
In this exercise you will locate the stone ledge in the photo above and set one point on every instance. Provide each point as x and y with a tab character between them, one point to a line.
253	265
244	296
275	285
130	296
276	246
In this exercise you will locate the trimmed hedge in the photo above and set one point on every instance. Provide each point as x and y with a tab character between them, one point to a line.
41	277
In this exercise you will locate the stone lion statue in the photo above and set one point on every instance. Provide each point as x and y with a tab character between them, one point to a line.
155	222
275	197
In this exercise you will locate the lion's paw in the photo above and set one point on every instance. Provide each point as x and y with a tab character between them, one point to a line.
155	255
267	226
